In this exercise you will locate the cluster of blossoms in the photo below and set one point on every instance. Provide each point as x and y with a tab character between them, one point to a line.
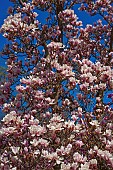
54	97
68	16
95	76
59	143
19	24
45	146
69	22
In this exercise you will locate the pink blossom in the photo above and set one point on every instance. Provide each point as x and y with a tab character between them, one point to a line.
37	130
15	150
54	94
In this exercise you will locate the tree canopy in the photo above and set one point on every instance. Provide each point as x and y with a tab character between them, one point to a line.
59	80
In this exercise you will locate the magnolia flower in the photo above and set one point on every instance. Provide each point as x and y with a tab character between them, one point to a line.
95	148
43	142
66	102
93	161
50	156
61	150
102	86
79	143
64	150
34	142
68	15
94	123
108	132
20	88
56	118
15	149
9	117
85	166
65	166
37	130
8	130
55	46
77	157
55	126
69	125
15	168
37	152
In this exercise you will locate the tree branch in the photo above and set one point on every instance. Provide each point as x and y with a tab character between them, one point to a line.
111	41
21	2
59	8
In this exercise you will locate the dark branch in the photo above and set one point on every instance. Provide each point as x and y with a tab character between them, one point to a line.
111	41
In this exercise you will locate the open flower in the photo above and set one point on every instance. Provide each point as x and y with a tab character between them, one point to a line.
15	149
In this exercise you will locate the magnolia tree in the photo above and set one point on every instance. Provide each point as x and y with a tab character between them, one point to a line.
58	94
